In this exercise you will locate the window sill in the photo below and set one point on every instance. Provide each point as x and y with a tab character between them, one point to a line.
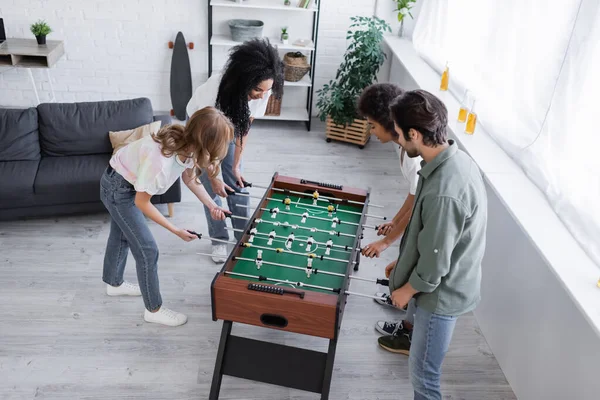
563	254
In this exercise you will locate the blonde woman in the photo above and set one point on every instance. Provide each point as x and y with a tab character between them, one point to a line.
147	167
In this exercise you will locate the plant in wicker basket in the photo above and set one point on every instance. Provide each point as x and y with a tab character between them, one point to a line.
362	61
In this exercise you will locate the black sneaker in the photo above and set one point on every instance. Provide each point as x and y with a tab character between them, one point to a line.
389	327
398	343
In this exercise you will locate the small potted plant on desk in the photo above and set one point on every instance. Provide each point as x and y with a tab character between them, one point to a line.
40	29
362	60
284	35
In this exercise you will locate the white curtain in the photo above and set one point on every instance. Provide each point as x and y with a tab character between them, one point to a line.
534	67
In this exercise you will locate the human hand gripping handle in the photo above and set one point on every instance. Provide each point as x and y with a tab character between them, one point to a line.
220	188
218	213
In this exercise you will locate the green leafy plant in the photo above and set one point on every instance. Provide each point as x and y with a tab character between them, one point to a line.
403	7
362	61
40	28
284	33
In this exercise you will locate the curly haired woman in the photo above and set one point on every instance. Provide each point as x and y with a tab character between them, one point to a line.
253	73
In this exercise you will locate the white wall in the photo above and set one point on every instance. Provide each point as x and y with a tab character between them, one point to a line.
118	49
541	339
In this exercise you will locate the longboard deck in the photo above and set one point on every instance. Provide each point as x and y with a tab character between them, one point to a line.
181	78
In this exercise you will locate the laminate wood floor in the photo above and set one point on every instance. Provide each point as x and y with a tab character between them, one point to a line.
61	337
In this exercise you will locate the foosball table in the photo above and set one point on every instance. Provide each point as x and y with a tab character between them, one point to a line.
290	271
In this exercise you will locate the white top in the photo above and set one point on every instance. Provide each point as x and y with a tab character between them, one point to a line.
206	95
143	165
410	168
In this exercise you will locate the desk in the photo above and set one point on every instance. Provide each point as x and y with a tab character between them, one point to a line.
26	53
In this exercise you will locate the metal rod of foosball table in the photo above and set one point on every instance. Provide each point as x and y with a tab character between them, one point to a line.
301	284
310	216
321	198
322	257
384	282
346	249
259	220
304	205
369	296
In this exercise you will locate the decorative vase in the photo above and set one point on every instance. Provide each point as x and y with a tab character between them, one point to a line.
401	28
41	39
284	39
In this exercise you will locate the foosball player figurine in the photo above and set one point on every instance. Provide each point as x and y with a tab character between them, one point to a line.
304	216
331	209
287	201
290	241
309	242
328	244
253	232
259	259
309	267
315	197
334	222
274	212
272	235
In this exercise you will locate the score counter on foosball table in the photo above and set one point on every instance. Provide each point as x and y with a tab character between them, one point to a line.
290	271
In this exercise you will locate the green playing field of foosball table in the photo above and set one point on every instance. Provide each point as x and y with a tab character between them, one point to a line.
322	241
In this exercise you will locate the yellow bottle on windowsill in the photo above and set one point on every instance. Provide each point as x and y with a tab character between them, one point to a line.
445	78
471	121
464	106
462	114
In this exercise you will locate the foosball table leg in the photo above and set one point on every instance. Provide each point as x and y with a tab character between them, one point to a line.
218	373
328	369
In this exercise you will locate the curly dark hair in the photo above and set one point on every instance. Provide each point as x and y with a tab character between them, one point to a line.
248	65
423	112
374	103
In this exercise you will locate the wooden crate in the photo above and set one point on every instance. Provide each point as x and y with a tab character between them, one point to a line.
358	132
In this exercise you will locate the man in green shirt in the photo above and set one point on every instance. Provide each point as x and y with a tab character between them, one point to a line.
441	251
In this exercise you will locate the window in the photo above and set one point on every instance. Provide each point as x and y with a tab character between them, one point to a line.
534	68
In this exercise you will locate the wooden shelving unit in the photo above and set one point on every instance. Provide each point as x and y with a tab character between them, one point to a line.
303	114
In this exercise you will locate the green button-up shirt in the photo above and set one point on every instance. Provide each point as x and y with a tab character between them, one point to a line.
443	245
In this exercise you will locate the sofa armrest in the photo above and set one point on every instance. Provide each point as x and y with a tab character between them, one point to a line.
164	119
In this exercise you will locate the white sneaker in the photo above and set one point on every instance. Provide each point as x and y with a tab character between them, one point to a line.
219	253
126	289
165	316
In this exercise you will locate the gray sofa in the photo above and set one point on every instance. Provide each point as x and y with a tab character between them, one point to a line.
52	156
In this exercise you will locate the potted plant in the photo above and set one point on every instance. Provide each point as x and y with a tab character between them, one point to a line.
284	35
40	29
362	60
287	2
403	7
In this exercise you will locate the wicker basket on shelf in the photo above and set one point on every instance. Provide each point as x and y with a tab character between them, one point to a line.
295	66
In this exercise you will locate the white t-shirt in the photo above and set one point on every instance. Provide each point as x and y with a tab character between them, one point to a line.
206	95
143	165
410	168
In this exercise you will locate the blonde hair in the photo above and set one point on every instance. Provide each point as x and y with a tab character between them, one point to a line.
207	135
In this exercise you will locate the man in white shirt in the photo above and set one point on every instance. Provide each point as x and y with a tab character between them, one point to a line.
253	73
374	104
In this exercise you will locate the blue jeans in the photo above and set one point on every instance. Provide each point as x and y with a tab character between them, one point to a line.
431	337
216	229
128	230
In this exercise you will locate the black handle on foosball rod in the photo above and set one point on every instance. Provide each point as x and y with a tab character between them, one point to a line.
383	282
195	233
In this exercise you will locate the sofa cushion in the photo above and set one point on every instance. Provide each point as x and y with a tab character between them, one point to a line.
68	129
16	183
73	179
19	140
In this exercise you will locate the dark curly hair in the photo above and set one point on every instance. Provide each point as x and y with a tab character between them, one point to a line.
248	65
375	101
423	112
